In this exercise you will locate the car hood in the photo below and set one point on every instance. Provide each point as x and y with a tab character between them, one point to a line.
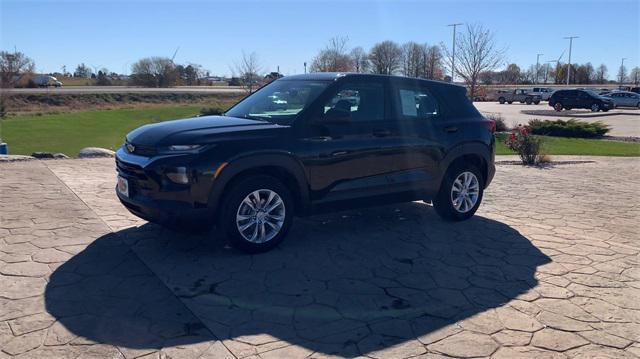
196	130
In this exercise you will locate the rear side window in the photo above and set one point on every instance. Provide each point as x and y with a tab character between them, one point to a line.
415	103
361	101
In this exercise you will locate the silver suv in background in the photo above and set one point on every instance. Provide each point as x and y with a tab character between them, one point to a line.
624	98
543	92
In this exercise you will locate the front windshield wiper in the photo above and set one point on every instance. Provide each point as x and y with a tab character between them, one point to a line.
249	117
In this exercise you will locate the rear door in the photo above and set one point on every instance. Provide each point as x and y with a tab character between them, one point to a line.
411	152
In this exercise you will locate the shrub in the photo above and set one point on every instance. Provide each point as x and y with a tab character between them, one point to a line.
501	126
570	128
528	146
214	110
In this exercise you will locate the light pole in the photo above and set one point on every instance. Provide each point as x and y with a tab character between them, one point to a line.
305	67
537	67
622	70
569	64
453	51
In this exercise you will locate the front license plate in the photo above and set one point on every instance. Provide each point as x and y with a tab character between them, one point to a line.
123	186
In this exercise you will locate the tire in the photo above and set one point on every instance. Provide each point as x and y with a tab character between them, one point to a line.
536	102
445	203
501	100
595	107
606	110
638	106
509	102
528	101
557	106
262	232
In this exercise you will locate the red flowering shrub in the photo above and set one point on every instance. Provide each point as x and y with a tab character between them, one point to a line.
526	145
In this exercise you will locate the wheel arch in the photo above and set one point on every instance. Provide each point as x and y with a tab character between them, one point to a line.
282	166
477	154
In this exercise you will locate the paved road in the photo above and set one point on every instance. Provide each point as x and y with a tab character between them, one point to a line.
126	89
549	268
623	122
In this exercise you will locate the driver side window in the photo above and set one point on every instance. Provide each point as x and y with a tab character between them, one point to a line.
359	102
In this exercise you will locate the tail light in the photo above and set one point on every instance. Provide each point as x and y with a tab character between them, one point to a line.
491	125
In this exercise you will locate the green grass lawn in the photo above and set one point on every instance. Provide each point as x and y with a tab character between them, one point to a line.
577	146
69	132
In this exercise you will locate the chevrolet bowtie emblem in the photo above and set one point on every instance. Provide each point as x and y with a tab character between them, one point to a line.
131	147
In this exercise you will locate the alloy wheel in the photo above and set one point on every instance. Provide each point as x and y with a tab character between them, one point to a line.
260	216
465	192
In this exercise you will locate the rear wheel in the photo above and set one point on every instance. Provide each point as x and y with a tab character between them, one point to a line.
557	106
460	193
256	214
528	101
537	102
501	100
509	102
595	107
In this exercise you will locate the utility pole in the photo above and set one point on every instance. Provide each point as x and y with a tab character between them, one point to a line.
453	52
537	67
305	67
622	70
569	64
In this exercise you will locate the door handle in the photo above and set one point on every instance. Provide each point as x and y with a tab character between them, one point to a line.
339	153
451	129
320	138
381	133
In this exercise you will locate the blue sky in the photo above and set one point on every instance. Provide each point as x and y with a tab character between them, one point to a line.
115	34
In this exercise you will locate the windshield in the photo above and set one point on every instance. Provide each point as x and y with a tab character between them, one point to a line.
279	101
593	93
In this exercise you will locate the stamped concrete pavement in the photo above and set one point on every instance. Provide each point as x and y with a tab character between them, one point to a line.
549	267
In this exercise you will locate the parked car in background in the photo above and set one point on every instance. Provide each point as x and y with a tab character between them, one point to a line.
570	99
519	95
47	81
543	92
624	98
255	168
635	89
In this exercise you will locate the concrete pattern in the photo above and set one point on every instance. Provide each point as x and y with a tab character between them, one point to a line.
548	268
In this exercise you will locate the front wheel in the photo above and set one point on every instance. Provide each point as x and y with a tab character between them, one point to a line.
501	100
460	193
528	101
536	102
256	214
595	107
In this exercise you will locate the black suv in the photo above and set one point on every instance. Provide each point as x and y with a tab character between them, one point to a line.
570	99
310	143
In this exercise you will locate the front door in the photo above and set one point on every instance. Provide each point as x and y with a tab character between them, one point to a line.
339	143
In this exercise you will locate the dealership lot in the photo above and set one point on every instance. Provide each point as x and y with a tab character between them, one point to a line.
624	122
547	268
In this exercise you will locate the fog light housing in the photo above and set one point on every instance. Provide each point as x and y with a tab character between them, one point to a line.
178	175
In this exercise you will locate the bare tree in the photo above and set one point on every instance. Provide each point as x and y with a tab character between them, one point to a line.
622	74
413	59
13	67
248	68
433	63
334	57
360	59
634	76
601	74
385	57
154	72
476	52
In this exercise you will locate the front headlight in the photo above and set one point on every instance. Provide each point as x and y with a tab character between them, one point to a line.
184	148
176	149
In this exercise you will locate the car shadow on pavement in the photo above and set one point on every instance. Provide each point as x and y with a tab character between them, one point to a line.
347	283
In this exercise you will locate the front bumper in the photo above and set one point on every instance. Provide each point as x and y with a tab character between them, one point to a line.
152	196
